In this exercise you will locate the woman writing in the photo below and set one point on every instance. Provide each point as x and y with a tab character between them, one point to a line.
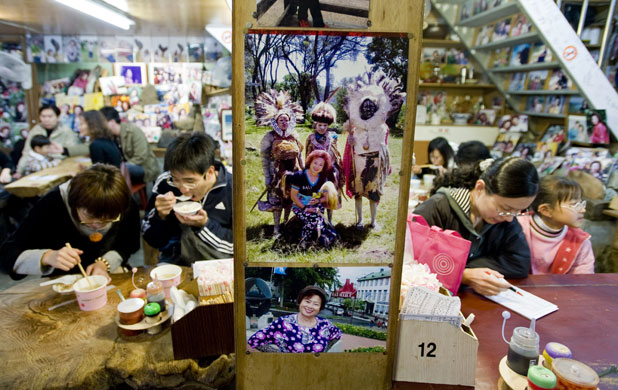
301	332
102	147
480	202
310	195
93	213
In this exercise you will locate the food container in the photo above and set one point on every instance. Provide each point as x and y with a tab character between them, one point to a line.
168	275
89	298
553	351
574	375
130	311
187	208
461	118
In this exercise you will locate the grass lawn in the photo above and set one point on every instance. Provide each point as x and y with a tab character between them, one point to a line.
355	246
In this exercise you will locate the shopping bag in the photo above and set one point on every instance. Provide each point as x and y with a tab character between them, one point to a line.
445	252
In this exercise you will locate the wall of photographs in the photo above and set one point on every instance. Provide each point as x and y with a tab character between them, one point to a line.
357	265
13	103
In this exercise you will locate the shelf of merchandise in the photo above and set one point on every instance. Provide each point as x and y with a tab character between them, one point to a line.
441	43
544	92
524	38
489	16
456	86
525	68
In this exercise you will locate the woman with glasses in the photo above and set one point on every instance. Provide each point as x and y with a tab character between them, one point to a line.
481	202
557	244
90	219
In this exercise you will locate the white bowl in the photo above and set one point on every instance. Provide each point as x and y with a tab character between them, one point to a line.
461	118
187	208
67	286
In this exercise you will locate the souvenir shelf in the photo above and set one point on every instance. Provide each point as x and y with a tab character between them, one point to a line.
497	51
456	86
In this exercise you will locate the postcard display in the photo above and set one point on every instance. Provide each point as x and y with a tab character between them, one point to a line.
256	244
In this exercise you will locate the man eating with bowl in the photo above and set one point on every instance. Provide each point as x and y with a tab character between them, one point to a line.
181	233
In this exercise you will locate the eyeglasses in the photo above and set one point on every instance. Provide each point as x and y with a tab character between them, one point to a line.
579	206
100	222
174	183
513	213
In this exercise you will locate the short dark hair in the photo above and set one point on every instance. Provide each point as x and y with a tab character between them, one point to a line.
555	190
52	107
512	177
191	152
470	152
39	140
441	145
310	291
96	125
101	190
110	113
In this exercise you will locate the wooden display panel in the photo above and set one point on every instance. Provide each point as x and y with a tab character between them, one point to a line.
333	370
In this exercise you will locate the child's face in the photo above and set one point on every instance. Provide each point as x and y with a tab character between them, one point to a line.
436	158
43	150
321	127
317	165
569	213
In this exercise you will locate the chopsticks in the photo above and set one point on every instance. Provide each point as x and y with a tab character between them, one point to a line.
79	264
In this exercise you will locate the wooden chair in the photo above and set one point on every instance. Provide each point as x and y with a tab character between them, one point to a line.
139	187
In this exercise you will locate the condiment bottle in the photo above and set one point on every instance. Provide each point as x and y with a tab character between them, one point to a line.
155	293
523	349
540	378
554	351
153	315
572	374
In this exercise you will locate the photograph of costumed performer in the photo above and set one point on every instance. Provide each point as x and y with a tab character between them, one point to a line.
366	160
300	332
322	138
280	150
311	193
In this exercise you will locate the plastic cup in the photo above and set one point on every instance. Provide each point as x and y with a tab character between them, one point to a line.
89	298
168	275
428	180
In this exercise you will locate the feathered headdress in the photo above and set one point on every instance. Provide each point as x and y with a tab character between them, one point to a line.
269	105
324	112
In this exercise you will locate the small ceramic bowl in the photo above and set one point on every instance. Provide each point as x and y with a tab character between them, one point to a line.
187	208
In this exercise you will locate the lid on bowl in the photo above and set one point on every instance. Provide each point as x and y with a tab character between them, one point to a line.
575	372
152	309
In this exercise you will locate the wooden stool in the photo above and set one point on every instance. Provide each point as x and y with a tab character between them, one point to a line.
143	198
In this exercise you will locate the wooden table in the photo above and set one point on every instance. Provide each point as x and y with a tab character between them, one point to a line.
586	321
38	183
71	349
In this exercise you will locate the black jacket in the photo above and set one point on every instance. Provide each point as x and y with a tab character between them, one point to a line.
501	247
214	240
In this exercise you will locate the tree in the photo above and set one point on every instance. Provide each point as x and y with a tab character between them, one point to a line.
391	56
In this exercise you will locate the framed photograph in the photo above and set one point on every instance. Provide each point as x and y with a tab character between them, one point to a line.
576	125
505	143
525	150
89	47
610	72
537	79
555	104
466	10
549	165
334	14
535	103
133	73
113	85
485	117
516	123
480	6
540	53
226	125
350	235
517	81
72	51
597	127
107	49
554	134
545	150
143	49
501	30
160	49
165	74
520	54
36	49
559	81
501	57
521	25
329	297
434	54
484	34
577	104
124	49
53	49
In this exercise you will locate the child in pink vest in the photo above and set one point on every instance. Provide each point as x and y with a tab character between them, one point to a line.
557	244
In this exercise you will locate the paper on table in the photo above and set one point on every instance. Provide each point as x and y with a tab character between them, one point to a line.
42	177
82	160
526	304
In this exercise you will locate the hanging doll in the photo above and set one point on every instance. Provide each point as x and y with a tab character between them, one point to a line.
323	115
371	99
280	149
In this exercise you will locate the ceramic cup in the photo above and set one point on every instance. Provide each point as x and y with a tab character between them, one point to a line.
168	275
89	298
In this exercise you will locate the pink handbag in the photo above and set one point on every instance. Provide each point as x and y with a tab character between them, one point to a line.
445	252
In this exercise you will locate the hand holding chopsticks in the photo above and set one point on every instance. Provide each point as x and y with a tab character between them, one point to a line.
79	264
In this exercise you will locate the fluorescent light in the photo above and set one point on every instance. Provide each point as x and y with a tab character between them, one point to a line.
120	4
100	12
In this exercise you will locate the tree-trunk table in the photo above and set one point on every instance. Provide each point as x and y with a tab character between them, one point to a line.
71	349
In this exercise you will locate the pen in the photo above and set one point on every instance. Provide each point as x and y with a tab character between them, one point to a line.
509	287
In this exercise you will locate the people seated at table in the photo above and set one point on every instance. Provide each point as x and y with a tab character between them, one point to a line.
300	332
480	202
39	158
90	219
102	147
441	156
64	141
192	172
140	159
471	152
557	244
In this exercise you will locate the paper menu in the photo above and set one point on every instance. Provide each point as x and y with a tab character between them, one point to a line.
526	304
422	303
